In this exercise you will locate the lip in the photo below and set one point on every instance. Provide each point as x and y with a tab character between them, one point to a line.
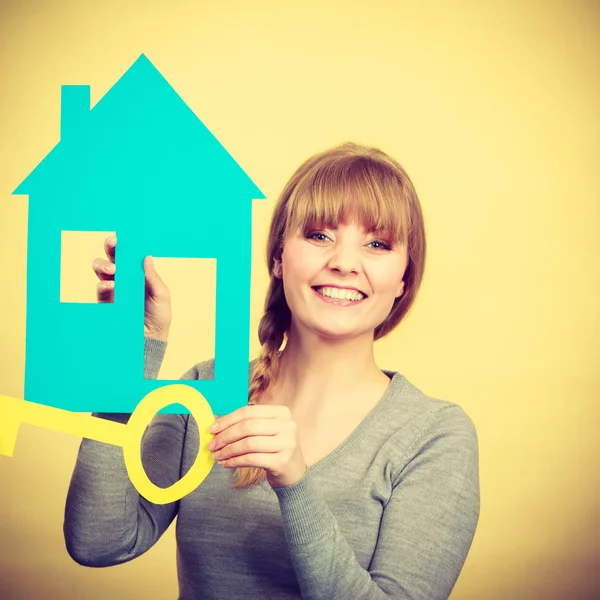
335	301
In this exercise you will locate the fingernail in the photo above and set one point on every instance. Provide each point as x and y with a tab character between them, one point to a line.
213	427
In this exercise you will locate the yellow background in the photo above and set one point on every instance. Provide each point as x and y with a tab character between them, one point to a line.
492	107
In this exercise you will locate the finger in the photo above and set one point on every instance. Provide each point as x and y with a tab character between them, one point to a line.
261	461
110	244
257	444
258	411
247	429
105	291
153	279
150	270
104	269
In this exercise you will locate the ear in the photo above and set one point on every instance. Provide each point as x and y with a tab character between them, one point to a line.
277	268
400	289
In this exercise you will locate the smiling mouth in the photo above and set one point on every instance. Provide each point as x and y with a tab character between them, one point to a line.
339	301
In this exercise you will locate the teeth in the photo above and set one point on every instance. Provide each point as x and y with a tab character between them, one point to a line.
340	294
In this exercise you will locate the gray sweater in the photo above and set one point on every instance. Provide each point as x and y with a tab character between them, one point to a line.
390	513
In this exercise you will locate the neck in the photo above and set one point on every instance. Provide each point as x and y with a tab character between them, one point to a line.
320	375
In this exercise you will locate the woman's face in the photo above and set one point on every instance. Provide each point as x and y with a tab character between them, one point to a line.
340	283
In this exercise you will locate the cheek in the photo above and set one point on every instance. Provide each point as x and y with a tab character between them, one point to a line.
293	277
389	279
300	268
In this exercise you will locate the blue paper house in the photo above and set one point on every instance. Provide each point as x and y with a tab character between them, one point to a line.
142	164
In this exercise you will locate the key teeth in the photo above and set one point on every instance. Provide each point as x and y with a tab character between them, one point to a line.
9	424
9	429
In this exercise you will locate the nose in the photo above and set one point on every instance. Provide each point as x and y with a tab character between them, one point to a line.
344	259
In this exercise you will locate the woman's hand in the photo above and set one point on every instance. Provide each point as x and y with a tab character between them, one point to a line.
157	305
264	436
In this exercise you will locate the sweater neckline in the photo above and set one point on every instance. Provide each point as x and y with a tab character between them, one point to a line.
355	439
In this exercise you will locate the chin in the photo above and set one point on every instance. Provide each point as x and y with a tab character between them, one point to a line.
333	334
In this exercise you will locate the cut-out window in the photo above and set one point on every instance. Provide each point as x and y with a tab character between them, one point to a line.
192	284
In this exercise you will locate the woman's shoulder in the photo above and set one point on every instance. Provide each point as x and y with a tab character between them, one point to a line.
428	434
426	415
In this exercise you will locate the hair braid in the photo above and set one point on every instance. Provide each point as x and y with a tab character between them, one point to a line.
271	333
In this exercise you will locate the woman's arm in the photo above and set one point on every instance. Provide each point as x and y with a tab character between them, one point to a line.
426	529
107	522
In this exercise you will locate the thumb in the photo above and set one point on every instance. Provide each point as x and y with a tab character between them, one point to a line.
152	277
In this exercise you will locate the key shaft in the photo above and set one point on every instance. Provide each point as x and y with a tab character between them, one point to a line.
14	411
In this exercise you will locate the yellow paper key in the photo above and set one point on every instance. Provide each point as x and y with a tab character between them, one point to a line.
14	411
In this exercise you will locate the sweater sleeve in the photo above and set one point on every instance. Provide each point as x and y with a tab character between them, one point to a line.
106	521
426	530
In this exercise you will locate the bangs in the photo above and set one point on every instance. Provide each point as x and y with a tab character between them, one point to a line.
352	188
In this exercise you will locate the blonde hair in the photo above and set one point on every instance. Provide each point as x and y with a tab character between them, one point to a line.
332	187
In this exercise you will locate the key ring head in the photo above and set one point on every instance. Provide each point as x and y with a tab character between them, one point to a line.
153	402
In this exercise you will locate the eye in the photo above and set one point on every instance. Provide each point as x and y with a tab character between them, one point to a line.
382	245
312	236
321	237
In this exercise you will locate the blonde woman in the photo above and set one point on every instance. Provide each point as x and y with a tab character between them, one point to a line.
339	480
